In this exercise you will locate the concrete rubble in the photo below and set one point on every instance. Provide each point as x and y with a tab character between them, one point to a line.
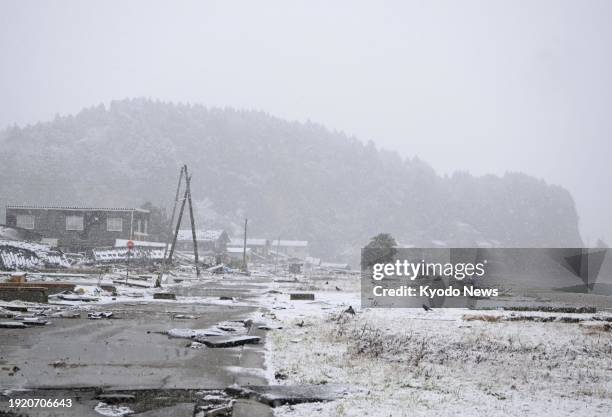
116	398
12	325
227	341
74	297
302	296
100	315
278	395
164	296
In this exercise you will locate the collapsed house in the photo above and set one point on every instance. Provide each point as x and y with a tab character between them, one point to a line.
80	228
263	249
237	254
258	248
290	248
16	255
210	242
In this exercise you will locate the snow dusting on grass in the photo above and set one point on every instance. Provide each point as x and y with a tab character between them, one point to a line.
443	362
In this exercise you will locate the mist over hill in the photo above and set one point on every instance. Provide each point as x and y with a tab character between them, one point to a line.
292	180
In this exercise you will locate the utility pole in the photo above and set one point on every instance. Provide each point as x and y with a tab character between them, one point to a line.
276	255
178	222
244	247
193	229
127	266
186	198
176	198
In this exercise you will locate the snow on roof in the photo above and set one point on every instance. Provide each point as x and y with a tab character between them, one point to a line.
34	207
32	246
313	261
18	254
237	250
239	241
334	265
201	235
295	243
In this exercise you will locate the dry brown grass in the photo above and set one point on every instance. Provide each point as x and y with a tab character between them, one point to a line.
482	317
593	328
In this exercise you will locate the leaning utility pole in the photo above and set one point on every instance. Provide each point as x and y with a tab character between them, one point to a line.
193	229
244	247
176	197
186	198
178	222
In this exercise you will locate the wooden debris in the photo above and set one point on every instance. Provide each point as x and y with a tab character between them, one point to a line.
164	296
302	296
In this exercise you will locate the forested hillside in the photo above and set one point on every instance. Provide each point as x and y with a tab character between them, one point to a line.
293	180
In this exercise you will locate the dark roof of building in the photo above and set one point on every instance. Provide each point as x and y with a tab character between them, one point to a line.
34	207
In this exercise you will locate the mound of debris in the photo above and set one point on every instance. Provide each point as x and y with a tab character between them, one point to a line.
221	329
110	255
16	254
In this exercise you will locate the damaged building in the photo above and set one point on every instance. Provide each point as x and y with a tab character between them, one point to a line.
210	242
259	247
291	248
267	248
80	228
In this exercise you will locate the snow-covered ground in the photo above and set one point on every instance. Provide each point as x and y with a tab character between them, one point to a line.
405	362
445	362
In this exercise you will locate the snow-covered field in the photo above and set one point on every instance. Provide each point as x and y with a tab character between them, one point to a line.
447	362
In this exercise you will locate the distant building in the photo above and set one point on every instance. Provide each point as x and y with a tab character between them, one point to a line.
291	248
210	242
257	246
311	262
332	266
80	228
266	248
237	254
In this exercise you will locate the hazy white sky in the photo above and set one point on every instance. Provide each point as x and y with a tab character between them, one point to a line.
485	86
